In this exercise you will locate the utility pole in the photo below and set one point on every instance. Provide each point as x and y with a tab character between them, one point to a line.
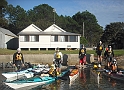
83	29
54	14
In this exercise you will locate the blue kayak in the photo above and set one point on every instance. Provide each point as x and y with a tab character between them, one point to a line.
33	82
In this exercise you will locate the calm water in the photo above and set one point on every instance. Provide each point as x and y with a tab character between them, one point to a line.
86	80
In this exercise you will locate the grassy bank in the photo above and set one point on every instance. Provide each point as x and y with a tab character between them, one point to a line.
8	52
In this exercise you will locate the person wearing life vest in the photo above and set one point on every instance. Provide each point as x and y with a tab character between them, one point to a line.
110	55
58	59
82	56
99	50
114	65
18	60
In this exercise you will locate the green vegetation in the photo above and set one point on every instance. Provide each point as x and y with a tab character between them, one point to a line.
15	19
8	52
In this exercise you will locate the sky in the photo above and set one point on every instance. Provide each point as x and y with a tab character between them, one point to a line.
106	11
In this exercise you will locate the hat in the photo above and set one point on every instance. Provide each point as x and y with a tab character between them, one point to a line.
19	49
109	46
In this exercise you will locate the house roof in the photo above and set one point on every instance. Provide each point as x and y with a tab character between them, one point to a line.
7	32
32	28
47	33
54	28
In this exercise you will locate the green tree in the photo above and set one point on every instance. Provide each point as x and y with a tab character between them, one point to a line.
114	34
92	30
42	16
83	40
17	18
3	21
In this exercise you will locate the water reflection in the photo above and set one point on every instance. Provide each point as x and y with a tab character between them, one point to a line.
82	76
87	80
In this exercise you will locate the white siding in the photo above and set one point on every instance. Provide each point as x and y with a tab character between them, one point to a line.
32	28
47	41
2	40
54	28
44	42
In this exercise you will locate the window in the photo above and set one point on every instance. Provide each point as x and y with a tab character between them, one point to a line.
27	38
21	38
73	39
66	38
61	38
56	38
34	38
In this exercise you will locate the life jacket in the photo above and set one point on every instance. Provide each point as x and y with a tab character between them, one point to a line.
58	56
110	50
52	70
82	51
100	47
18	56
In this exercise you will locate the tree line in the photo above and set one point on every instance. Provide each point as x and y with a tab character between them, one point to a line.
85	23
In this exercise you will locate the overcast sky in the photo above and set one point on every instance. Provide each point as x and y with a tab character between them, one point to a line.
106	11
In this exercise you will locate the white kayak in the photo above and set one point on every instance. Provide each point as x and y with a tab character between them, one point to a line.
73	75
28	73
10	76
33	82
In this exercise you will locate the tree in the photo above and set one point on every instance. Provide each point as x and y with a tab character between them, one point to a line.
114	34
3	21
17	18
83	40
92	30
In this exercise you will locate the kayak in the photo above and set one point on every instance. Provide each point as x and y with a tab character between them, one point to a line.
34	81
73	75
28	73
118	76
10	76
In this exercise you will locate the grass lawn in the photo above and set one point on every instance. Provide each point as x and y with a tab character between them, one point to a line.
9	52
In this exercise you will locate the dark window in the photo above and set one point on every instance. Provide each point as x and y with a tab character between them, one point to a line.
56	38
26	38
73	38
66	38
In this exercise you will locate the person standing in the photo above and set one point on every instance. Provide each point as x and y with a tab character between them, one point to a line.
99	50
58	59
82	56
18	60
110	55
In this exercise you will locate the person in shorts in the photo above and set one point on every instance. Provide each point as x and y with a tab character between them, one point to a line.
58	58
82	56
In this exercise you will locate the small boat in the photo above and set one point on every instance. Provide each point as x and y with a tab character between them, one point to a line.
10	76
34	81
28	73
118	75
73	75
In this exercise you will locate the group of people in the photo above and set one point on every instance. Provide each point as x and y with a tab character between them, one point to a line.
18	60
108	56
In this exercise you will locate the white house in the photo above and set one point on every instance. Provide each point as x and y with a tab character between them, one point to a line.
8	40
33	37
